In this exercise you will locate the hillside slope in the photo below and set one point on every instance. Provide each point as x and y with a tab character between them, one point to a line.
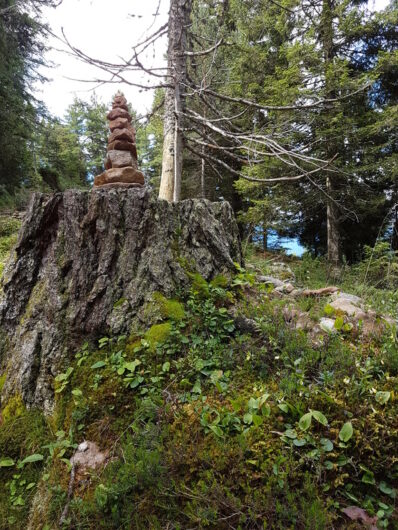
221	415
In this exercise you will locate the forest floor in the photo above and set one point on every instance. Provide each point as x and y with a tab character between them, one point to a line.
224	415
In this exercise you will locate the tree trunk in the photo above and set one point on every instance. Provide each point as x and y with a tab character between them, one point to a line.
332	211
170	183
87	264
333	233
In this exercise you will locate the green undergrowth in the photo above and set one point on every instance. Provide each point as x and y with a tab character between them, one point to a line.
375	278
9	227
209	427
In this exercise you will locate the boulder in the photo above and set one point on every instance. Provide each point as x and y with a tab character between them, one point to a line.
79	253
348	307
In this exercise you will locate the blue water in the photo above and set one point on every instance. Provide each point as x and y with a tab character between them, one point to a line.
290	244
275	241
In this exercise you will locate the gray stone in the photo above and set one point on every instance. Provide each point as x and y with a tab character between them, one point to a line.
356	300
86	265
121	159
327	324
347	307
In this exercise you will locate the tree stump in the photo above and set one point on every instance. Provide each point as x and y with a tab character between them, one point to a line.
86	264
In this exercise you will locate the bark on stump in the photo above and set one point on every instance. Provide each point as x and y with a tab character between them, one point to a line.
87	263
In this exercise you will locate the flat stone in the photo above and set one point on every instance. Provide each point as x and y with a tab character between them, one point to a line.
119	185
356	300
119	106
270	280
118	113
347	307
123	174
119	123
121	134
123	145
116	158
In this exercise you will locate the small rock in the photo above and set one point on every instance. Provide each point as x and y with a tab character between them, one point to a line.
118	159
271	280
285	288
88	456
327	324
281	269
82	447
123	145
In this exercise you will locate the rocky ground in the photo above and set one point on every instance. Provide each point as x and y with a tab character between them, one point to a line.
263	398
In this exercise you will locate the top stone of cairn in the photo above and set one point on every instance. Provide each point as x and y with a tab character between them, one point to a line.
121	168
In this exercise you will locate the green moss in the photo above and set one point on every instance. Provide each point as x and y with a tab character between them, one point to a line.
169	309
14	408
2	381
35	298
119	303
157	334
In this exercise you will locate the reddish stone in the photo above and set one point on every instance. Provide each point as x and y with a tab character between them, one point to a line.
120	185
122	145
118	113
121	134
119	106
119	123
119	99
123	174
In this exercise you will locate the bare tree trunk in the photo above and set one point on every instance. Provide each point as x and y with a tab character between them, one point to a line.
333	233
166	190
170	183
332	211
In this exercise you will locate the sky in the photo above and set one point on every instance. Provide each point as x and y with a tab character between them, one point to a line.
105	30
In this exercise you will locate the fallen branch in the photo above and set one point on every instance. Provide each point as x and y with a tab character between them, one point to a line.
325	291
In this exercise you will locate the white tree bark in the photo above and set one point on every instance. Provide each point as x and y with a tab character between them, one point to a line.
170	183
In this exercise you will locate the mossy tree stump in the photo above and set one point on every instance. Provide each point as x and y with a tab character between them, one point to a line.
87	263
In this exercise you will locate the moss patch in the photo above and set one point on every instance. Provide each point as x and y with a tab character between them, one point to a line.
169	309
158	334
2	381
14	408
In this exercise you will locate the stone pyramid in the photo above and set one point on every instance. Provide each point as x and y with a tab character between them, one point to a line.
121	169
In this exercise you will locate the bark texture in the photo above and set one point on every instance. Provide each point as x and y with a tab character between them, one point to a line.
170	182
87	263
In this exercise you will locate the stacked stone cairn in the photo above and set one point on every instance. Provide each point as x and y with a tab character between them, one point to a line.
121	169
